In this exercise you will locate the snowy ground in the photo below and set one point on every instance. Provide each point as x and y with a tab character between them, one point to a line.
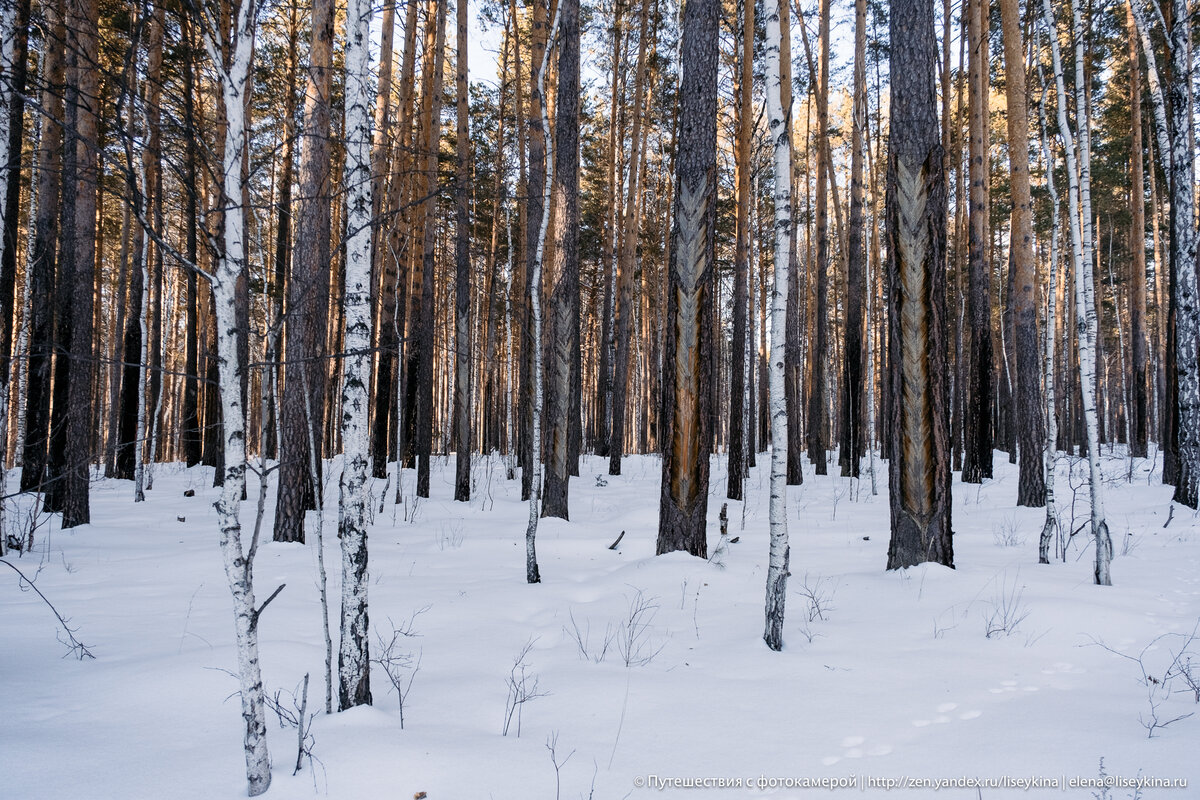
888	676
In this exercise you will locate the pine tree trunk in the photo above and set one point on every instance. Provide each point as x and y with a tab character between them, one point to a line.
851	448
422	315
793	338
977	421
461	429
1027	414
683	508
818	407
1139	400
738	417
564	299
307	293
627	258
919	474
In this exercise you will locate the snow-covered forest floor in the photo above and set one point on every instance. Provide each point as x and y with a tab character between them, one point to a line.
884	676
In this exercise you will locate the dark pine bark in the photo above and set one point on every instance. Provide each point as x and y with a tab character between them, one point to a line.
564	298
461	429
192	439
977	419
1028	415
1139	385
793	372
302	405
818	407
739	421
851	448
42	264
64	290
919	473
683	508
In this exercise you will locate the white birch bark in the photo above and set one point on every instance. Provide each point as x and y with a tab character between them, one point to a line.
353	659
532	575
8	13
1050	454
239	562
1183	255
777	116
870	378
1085	308
21	350
139	472
510	438
1158	103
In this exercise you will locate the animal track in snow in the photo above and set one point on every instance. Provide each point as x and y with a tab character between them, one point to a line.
854	748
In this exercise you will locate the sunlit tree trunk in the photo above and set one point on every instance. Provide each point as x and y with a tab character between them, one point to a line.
233	82
564	299
461	430
1029	408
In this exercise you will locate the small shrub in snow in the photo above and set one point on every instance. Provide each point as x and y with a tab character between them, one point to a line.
522	689
589	650
1006	534
292	712
1164	676
1006	611
635	635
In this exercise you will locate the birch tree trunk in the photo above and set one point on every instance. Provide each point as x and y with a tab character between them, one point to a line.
1050	447
778	125
354	685
919	471
1085	310
1183	256
7	285
532	574
239	562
